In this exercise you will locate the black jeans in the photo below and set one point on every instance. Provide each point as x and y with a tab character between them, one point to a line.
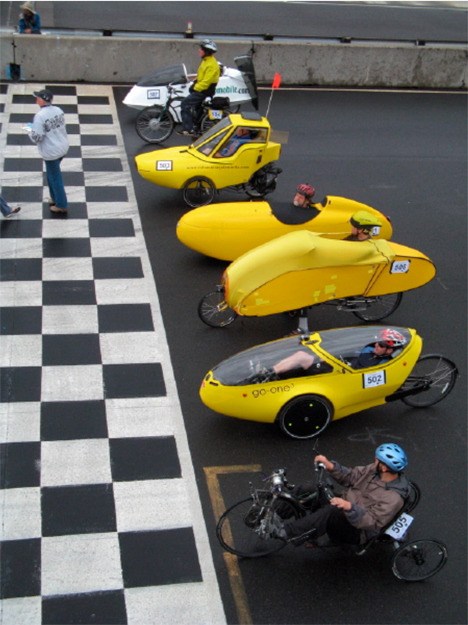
326	520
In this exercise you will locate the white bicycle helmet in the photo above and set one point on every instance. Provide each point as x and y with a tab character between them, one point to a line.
209	46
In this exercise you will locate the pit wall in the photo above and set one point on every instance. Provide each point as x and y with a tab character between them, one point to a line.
112	60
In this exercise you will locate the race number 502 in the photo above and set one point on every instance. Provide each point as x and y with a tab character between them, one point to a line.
376	378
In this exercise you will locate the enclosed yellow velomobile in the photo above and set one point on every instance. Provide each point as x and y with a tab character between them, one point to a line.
236	152
226	231
304	383
302	269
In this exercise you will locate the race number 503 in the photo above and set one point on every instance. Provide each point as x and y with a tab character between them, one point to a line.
400	266
400	527
376	378
163	165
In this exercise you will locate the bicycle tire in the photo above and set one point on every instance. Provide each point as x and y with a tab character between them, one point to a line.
198	191
239	529
438	372
381	307
214	311
305	416
154	125
418	560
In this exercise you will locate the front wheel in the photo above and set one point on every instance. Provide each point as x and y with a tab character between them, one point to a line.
379	307
198	191
214	311
432	379
305	416
245	529
419	560
154	124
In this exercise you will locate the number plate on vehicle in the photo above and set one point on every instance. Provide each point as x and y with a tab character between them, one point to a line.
163	165
371	380
400	266
214	114
400	527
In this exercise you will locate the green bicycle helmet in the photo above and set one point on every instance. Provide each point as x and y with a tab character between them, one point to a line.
363	220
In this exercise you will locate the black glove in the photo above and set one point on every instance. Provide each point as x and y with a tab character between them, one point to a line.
192	87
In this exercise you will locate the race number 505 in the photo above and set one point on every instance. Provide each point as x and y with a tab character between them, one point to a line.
376	378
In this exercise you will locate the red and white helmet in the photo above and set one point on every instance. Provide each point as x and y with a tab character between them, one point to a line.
392	338
306	190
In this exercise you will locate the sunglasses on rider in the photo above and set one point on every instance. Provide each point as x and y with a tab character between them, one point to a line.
384	344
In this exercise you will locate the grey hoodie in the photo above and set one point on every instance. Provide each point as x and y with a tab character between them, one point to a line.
49	132
374	502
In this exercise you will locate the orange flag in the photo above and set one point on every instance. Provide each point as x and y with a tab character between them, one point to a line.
276	81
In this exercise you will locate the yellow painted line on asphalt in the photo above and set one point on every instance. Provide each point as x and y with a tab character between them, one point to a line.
231	561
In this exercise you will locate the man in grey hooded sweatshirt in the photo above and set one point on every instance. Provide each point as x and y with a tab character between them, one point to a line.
373	496
48	131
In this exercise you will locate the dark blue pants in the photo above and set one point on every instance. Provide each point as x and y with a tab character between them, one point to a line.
190	109
55	182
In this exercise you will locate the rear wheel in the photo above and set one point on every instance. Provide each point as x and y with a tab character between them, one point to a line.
434	377
214	311
154	124
198	191
419	560
305	416
380	307
245	528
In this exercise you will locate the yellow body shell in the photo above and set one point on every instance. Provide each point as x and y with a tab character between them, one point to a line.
302	269
226	231
174	167
343	387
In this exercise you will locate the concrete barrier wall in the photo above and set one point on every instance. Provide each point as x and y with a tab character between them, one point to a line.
52	58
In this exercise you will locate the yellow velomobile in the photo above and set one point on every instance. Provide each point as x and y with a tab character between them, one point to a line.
304	383
302	269
226	231
235	152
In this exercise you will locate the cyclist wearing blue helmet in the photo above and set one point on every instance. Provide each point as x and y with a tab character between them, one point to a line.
372	497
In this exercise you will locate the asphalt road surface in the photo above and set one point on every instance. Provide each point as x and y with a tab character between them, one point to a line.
405	154
427	21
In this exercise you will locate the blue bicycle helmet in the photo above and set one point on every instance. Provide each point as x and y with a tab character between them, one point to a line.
393	456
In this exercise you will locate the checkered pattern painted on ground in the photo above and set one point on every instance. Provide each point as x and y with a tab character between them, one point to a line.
101	521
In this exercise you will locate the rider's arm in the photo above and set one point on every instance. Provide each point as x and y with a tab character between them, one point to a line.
377	514
329	465
208	74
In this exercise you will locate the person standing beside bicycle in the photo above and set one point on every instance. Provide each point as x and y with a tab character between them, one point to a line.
204	86
374	494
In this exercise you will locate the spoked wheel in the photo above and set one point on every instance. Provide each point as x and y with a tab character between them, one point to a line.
198	191
432	379
214	311
154	124
380	307
245	528
305	416
419	560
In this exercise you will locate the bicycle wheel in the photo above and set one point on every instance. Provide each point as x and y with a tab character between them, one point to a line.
419	560
432	379
198	191
379	307
154	124
305	416
245	528
214	311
